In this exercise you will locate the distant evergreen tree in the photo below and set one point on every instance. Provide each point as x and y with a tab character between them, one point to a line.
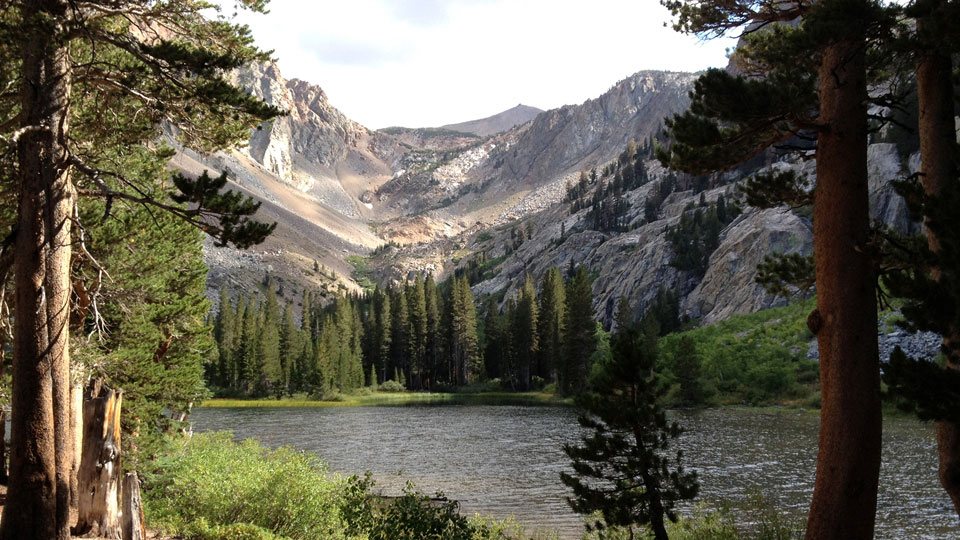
580	340
272	380
223	332
289	348
665	311
686	366
434	338
400	333
464	348
494	346
328	374
416	298
524	329
550	324
249	364
620	469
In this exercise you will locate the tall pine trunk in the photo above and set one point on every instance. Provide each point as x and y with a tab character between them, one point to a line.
938	153
848	466
39	493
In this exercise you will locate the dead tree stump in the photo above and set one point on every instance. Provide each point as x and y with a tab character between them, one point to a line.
132	518
98	478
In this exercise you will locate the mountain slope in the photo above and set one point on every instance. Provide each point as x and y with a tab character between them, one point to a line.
491	125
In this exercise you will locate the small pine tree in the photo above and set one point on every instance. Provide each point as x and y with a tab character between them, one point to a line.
621	468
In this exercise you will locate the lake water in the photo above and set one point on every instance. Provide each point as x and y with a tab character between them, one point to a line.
504	461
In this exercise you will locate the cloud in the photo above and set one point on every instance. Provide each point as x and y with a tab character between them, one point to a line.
434	62
342	52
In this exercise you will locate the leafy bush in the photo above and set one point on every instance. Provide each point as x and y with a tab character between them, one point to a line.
202	530
390	386
754	520
212	478
758	358
213	488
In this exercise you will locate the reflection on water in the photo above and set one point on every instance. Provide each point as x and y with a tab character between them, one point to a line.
506	460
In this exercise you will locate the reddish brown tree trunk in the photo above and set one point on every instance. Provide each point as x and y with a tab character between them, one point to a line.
98	513
938	153
38	497
848	466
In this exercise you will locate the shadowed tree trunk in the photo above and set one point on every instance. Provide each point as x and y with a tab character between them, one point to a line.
76	434
938	167
848	466
38	499
98	513
3	447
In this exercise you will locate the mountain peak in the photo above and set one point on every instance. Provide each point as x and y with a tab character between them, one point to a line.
503	121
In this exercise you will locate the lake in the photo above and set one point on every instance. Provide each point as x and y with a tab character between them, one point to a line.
503	461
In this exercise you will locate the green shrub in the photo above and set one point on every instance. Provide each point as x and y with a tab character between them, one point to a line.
213	488
212	478
391	386
202	530
754	520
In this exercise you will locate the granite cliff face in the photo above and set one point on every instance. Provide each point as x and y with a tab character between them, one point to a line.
577	137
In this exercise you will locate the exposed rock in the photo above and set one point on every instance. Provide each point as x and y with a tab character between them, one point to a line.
728	287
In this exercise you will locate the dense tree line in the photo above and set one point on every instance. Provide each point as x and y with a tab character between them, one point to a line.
420	335
417	335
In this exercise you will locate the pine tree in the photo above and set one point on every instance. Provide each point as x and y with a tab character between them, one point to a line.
686	366
328	357
807	82
290	348
524	328
550	324
416	298
272	381
156	346
384	332
621	469
62	119
223	330
400	333
494	355
580	339
464	348
434	339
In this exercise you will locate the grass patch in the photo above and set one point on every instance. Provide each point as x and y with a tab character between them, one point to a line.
362	272
402	399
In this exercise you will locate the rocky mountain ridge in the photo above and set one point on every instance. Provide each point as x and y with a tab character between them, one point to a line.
446	200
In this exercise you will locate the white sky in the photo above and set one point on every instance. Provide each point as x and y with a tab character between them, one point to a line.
419	63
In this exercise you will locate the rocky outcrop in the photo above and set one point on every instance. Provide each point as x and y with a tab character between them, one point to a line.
728	287
579	136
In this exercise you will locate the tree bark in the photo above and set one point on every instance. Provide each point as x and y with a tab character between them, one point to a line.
848	466
98	513
38	499
3	447
133	527
938	167
76	434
